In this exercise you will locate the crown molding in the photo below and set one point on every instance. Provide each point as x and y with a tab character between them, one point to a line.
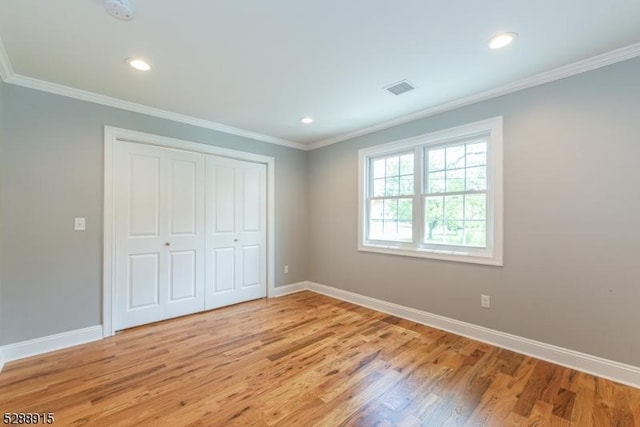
95	98
10	77
599	61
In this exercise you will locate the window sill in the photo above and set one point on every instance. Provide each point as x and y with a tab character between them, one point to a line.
453	256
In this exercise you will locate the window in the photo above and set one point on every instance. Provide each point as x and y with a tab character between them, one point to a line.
435	196
391	201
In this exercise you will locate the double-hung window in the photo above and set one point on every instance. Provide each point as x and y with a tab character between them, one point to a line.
435	196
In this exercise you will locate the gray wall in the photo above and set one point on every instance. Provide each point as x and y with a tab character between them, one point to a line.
52	171
572	234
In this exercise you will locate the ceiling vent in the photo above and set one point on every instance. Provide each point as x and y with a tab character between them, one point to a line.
400	87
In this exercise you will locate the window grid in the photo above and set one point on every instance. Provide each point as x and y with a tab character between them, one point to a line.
466	237
390	206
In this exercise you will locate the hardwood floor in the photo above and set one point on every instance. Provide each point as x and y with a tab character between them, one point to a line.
302	360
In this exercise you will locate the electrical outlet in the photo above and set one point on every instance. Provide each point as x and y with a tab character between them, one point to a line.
286	269
79	224
485	301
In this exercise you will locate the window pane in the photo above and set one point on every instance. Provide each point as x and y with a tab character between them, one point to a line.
454	232
378	187
433	215
435	182
406	185
453	208
477	154
405	225
477	178
375	218
455	180
475	234
392	187
406	164
405	210
391	220
393	176
393	166
455	156
436	159
375	209
379	168
456	220
475	207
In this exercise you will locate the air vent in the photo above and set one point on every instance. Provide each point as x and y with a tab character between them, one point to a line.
400	87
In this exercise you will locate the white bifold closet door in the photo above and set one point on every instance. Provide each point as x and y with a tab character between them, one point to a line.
160	238
236	231
190	232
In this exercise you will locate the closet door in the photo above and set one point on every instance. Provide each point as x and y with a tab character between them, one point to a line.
160	233
236	231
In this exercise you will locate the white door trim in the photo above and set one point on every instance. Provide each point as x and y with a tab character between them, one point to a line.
113	134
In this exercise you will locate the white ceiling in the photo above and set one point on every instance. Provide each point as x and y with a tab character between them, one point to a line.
262	65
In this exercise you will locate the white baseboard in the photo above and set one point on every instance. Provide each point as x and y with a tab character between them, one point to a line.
609	369
1	360
49	343
288	289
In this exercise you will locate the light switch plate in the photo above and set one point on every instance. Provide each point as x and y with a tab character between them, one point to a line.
79	224
485	301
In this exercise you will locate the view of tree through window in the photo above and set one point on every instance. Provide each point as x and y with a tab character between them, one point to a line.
455	201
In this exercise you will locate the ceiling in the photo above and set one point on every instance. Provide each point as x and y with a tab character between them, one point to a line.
260	65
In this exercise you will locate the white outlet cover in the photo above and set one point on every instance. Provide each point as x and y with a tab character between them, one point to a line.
485	301
79	224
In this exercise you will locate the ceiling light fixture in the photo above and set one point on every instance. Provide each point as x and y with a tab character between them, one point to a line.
306	120
138	64
119	9
501	40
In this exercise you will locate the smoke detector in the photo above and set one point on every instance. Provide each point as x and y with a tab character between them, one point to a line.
119	9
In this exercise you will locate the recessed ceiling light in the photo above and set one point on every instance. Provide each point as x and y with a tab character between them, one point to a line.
306	120
138	64
502	40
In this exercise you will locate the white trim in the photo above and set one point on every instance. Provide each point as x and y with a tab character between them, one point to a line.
36	346
293	288
599	61
609	369
1	360
113	134
96	98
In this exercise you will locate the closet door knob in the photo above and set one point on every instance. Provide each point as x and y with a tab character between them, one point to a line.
235	240
168	244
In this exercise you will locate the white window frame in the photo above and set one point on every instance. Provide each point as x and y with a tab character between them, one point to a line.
493	253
